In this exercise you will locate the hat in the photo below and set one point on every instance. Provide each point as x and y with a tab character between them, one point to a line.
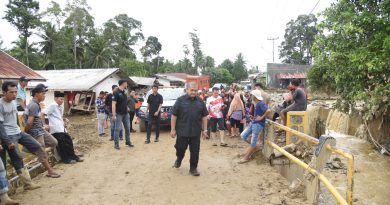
257	94
59	94
23	79
215	88
40	88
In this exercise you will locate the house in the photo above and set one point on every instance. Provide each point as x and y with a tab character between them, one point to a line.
143	81
80	85
181	79
12	69
280	75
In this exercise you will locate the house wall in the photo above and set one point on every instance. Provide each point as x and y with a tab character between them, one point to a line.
275	68
106	85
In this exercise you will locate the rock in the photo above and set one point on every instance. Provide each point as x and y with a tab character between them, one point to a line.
336	165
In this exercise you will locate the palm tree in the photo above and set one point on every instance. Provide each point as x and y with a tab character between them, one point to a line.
47	43
99	52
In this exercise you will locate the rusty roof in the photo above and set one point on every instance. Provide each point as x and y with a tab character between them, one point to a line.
12	69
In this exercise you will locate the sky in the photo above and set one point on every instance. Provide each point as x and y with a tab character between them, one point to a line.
225	27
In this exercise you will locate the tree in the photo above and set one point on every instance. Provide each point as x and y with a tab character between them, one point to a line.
19	52
219	75
82	25
298	39
197	53
23	15
239	71
54	13
133	67
48	36
209	62
355	55
99	52
228	64
152	47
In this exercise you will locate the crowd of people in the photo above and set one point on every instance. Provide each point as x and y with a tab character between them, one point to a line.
42	127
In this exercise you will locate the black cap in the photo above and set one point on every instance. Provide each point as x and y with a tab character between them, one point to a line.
102	92
215	88
40	88
23	79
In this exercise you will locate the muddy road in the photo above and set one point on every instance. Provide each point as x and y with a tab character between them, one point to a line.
144	175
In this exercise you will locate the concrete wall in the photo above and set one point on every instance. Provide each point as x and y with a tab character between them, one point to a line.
106	85
275	68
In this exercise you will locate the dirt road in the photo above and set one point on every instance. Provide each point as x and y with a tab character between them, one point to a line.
144	175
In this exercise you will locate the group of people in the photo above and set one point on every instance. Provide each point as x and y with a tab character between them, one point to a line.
120	109
221	111
43	127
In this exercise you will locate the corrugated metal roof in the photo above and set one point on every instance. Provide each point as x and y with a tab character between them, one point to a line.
143	80
12	69
74	79
170	78
291	75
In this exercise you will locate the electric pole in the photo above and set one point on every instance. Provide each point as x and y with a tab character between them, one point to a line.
273	47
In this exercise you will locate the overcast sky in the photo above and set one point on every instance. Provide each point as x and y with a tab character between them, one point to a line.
225	27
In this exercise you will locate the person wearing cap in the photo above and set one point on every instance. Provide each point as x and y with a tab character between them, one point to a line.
35	127
215	104
188	123
11	135
101	113
256	126
21	96
57	127
108	104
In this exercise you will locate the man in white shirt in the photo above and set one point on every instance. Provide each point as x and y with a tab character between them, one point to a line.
57	128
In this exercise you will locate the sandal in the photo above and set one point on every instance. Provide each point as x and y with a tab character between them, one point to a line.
223	145
243	161
54	175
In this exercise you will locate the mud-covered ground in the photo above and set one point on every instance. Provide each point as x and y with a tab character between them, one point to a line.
144	174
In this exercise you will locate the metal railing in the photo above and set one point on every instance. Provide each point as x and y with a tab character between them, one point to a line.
322	178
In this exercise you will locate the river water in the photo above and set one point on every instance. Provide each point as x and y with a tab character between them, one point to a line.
372	173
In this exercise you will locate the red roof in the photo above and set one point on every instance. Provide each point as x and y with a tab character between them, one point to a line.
291	75
12	69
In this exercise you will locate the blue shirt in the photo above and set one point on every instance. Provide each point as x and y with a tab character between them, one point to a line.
100	106
21	94
260	109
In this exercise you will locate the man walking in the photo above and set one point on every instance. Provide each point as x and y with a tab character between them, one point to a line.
215	105
108	104
155	101
57	128
34	127
120	114
189	120
11	135
101	113
131	102
21	96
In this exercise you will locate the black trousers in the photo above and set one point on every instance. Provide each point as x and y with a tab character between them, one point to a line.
132	114
65	146
181	146
153	120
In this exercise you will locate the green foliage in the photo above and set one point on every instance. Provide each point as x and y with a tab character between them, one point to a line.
197	53
239	71
298	39
133	67
152	47
354	55
99	52
209	62
228	64
219	75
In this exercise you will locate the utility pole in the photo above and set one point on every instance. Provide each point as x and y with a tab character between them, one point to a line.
273	47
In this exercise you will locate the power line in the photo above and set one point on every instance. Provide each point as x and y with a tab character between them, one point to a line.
314	7
273	47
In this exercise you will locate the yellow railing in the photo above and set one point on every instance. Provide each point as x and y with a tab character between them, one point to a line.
330	187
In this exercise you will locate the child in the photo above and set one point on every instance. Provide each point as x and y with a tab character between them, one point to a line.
256	125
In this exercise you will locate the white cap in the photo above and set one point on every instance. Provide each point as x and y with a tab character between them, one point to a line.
257	94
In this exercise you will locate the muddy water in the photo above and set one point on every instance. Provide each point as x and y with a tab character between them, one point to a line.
372	172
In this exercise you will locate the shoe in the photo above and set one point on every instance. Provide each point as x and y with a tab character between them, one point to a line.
25	177
101	135
194	172
111	139
177	164
70	162
156	140
121	138
147	142
79	160
129	144
117	147
133	131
